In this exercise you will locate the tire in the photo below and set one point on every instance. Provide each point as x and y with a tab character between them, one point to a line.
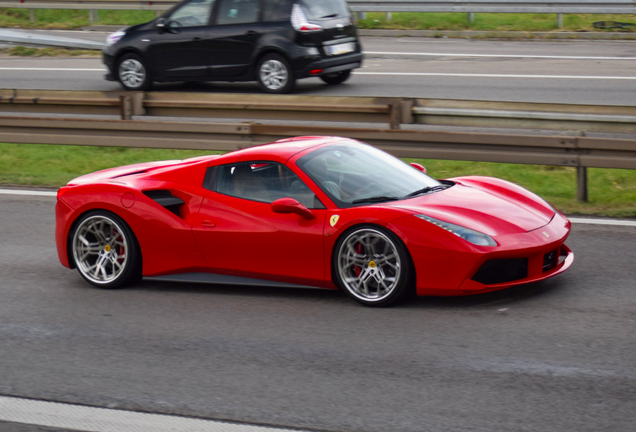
105	250
372	265
336	77
274	74
133	73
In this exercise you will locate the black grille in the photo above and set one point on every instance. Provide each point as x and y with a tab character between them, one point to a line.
550	260
496	271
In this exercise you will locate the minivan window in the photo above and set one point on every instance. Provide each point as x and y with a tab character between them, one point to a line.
192	14
238	11
277	10
324	9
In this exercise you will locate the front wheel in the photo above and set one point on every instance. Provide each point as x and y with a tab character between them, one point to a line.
132	72
105	250
274	74
336	77
373	266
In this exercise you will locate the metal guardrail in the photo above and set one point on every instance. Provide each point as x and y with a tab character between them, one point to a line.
579	152
362	6
393	111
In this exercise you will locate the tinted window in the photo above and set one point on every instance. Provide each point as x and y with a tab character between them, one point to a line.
323	9
265	182
192	14
352	172
277	10
238	11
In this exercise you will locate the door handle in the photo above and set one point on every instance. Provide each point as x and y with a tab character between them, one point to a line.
251	33
197	39
208	224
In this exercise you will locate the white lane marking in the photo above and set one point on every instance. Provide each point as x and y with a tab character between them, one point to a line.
498	55
89	419
496	75
591	221
52	69
26	192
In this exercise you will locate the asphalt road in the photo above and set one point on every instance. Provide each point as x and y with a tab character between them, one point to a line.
582	72
551	356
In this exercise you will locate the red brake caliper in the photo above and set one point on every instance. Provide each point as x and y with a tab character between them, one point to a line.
357	269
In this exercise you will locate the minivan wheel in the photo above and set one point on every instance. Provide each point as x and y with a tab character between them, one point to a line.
274	74
132	72
336	77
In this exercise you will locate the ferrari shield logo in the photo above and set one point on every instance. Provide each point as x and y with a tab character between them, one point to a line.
334	220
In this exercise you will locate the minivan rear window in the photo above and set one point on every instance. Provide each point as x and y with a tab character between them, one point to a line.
324	9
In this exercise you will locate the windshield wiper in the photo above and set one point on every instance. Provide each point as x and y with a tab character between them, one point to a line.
426	190
375	199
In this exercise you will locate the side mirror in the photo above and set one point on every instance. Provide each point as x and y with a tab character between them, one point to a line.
160	23
290	205
418	167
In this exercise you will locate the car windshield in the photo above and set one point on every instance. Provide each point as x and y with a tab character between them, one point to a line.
357	174
324	9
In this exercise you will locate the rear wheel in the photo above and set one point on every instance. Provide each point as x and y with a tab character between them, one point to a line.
105	250
274	74
373	266
132	72
336	77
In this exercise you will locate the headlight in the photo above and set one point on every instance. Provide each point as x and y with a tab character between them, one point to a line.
112	38
474	237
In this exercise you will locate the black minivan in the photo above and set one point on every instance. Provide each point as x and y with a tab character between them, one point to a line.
274	42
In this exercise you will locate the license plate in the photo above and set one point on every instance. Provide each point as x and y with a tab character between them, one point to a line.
342	48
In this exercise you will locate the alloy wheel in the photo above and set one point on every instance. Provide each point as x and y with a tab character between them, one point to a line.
273	74
101	249
369	265
132	73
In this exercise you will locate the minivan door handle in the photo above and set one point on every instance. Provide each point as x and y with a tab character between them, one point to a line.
197	38
251	33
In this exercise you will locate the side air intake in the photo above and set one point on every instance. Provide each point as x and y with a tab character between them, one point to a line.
165	199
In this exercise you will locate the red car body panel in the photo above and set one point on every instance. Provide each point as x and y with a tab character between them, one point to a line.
217	233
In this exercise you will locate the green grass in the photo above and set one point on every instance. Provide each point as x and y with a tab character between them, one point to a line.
612	192
47	52
71	19
499	22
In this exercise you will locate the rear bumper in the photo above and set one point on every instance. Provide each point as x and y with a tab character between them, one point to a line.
331	65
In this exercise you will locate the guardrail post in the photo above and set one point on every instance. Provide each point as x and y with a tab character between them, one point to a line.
32	15
126	107
93	16
471	17
581	184
361	15
559	20
388	16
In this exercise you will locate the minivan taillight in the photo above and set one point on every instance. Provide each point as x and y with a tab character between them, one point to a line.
299	21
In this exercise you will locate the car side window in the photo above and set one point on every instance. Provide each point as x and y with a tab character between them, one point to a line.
264	182
192	14
277	10
238	11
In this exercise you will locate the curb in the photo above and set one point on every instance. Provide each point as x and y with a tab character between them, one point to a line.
492	34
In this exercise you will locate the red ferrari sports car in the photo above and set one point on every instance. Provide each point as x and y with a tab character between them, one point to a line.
313	211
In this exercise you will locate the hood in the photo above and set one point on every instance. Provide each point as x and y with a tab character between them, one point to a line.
480	210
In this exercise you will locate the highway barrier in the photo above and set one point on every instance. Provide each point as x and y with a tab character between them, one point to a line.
393	111
573	151
471	7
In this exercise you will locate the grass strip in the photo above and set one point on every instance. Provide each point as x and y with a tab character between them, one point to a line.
48	52
72	19
612	192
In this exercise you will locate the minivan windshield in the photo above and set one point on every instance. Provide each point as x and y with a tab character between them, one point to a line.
354	174
324	9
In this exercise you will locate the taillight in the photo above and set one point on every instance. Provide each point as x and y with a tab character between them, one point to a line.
299	21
